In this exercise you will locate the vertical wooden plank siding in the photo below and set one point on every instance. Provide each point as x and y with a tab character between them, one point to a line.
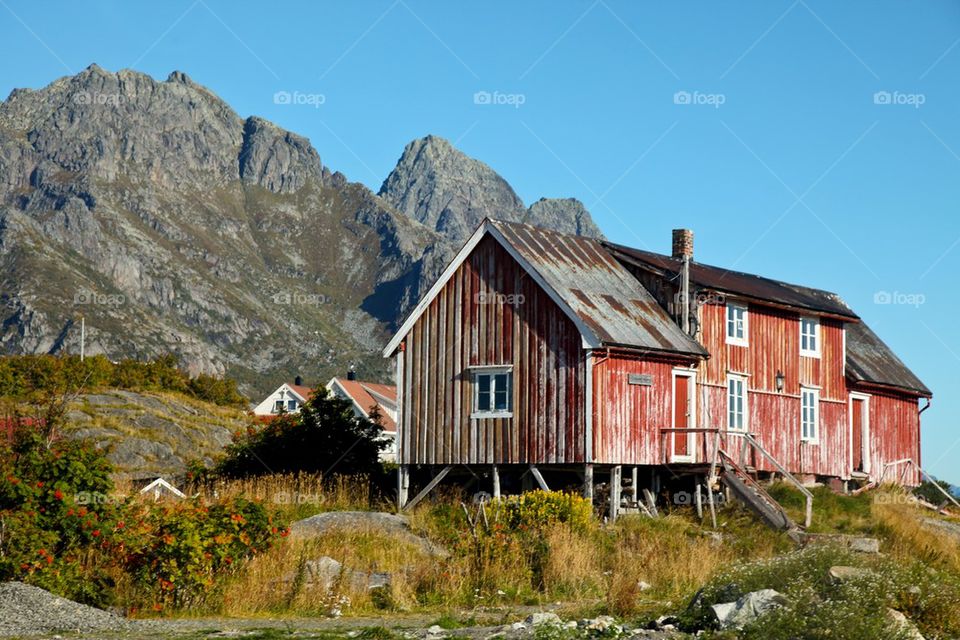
774	417
894	425
491	313
629	416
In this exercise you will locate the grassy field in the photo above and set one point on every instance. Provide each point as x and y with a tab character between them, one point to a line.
638	569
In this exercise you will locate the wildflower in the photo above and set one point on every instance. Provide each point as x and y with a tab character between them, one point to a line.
58	494
96	533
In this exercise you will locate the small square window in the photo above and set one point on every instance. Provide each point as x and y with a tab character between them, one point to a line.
493	392
737	324
291	405
278	406
810	337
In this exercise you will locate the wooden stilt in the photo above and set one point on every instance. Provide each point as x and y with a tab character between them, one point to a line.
539	478
403	485
697	500
496	482
588	482
615	487
427	489
651	502
634	488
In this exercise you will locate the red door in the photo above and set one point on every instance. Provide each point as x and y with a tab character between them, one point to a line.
856	441
681	416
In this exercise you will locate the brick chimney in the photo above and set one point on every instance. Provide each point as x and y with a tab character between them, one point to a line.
682	243
298	381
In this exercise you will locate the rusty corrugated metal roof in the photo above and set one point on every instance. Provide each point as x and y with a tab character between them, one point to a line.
870	360
606	298
739	283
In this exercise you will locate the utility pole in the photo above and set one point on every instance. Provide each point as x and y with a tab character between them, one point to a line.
83	336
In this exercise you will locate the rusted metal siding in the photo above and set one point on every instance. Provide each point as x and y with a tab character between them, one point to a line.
628	417
492	313
611	305
774	417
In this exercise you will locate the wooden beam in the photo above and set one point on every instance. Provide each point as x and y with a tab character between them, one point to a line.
634	488
427	489
588	482
698	501
615	487
539	477
403	486
496	482
651	502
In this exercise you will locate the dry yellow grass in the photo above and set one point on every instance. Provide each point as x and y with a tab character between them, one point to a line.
573	564
295	495
901	524
668	553
276	581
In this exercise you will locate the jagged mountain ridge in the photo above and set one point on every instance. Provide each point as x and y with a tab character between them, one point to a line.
446	190
172	224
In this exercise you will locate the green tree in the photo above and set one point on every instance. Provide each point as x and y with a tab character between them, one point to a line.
326	437
929	492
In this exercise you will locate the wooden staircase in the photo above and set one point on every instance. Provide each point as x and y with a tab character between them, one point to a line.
736	476
748	491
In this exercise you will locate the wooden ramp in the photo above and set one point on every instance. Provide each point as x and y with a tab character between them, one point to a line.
748	491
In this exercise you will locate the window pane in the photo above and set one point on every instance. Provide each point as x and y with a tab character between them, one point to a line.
483	392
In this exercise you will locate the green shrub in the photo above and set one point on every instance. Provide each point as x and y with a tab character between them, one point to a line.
62	528
29	377
821	607
181	550
43	529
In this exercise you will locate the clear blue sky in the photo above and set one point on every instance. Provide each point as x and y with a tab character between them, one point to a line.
785	165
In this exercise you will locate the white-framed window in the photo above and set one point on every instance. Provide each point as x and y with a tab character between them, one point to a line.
492	392
291	405
809	414
278	406
810	337
736	403
737	324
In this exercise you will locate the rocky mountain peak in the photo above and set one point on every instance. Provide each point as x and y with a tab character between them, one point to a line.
275	159
446	190
441	187
567	215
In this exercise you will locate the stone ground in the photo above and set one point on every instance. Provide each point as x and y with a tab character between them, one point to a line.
30	612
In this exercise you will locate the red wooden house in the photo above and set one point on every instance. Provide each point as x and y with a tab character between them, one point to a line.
537	354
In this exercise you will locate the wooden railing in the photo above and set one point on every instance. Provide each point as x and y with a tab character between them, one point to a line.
712	454
748	439
907	462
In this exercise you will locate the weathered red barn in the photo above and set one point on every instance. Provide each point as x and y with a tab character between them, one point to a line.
538	353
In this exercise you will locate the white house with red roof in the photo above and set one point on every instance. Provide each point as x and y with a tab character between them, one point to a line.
288	398
365	396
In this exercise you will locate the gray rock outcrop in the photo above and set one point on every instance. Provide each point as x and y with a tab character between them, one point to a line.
447	191
174	225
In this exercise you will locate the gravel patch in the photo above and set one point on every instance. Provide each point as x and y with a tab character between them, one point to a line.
26	610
